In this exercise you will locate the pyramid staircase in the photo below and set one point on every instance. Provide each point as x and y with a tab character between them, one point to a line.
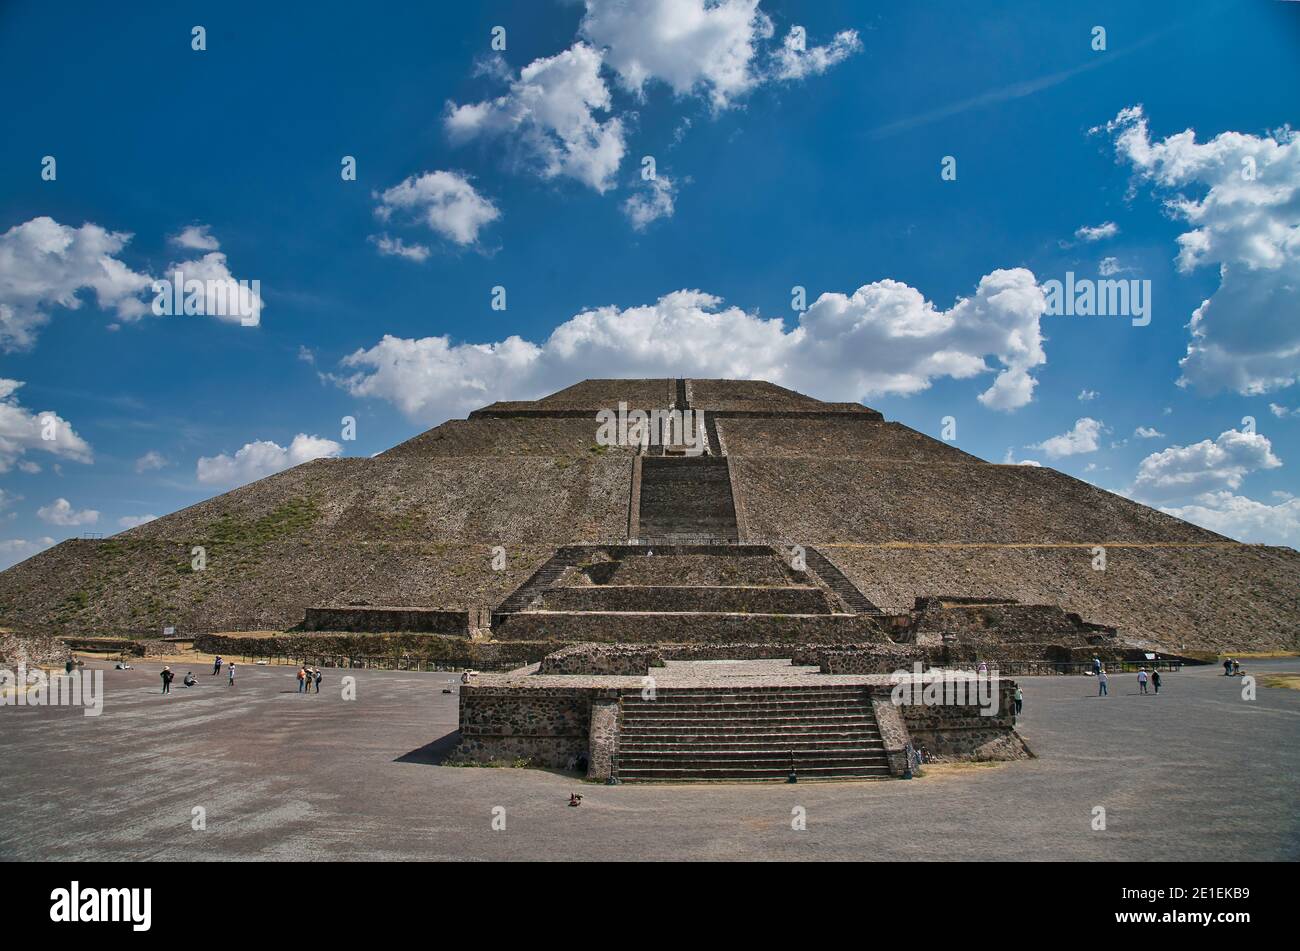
686	498
749	733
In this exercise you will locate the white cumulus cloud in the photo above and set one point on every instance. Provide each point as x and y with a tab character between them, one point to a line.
1079	439
61	512
22	431
796	60
654	201
1147	432
1210	465
549	115
262	458
44	265
444	201
1240	196
1243	519
882	338
1107	229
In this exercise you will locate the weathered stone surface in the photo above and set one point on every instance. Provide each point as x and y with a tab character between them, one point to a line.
374	619
617	659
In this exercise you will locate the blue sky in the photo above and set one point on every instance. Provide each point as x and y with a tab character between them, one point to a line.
775	167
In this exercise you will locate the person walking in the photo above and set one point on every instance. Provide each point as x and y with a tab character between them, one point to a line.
230	669
1101	682
317	676
1020	700
1155	680
167	676
216	666
1142	680
1096	666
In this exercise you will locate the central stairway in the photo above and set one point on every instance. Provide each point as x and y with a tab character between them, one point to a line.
750	733
686	497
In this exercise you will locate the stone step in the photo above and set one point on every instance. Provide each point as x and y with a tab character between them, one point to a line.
781	722
760	741
775	700
742	709
740	775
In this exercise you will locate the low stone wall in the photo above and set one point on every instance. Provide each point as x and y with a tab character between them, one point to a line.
380	620
871	661
135	647
627	660
397	650
548	727
962	731
687	628
31	649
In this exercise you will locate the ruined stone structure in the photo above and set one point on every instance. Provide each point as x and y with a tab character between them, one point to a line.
737	520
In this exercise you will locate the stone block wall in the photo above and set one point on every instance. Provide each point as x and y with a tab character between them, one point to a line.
687	628
628	660
382	620
745	600
382	650
546	726
952	731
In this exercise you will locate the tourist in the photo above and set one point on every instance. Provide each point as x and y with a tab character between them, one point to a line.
1142	680
316	676
167	676
1101	682
216	666
1155	680
68	665
230	669
983	668
1236	668
1020	700
575	799
302	679
1227	666
1096	666
189	680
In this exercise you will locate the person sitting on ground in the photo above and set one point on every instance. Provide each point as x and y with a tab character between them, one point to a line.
1236	668
575	799
123	665
189	680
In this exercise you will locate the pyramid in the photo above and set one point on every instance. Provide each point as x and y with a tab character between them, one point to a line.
776	518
